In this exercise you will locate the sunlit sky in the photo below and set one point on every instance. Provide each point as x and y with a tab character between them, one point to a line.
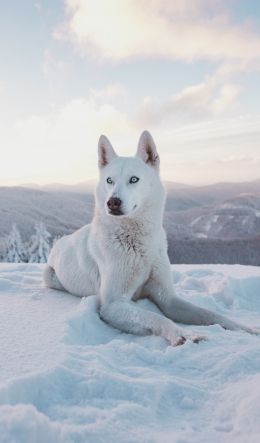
186	70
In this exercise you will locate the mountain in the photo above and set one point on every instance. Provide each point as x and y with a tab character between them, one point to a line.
62	212
81	187
197	218
198	196
238	217
89	186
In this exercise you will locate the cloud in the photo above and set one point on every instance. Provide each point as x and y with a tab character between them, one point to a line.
214	96
208	172
60	145
180	29
110	92
211	97
211	151
52	65
227	96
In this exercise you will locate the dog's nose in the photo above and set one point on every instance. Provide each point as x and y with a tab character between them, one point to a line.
114	203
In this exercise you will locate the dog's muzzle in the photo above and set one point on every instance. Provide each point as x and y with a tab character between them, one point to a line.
114	206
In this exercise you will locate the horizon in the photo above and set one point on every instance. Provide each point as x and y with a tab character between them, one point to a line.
188	72
94	181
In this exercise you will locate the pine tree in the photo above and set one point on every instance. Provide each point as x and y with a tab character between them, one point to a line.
39	244
15	251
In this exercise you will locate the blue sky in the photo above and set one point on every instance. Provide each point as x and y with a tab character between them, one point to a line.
188	71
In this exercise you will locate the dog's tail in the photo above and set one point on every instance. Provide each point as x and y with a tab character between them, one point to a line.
50	278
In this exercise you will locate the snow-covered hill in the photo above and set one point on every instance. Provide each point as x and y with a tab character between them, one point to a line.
65	376
218	232
187	214
61	212
238	217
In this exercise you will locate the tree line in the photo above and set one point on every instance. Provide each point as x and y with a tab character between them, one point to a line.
189	251
244	251
36	250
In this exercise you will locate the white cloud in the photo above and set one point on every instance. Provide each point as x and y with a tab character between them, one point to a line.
110	92
243	128
211	151
207	99
52	65
227	96
60	146
184	30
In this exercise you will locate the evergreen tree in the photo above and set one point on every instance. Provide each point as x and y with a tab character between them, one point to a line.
15	251
39	244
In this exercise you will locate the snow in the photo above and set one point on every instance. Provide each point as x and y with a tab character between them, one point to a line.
195	221
201	235
245	220
66	376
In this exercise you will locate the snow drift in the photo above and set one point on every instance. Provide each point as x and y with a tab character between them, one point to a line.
66	376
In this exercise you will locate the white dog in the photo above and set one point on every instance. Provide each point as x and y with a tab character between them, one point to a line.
122	255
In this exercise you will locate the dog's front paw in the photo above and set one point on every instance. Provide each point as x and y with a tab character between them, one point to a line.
179	341
183	338
197	338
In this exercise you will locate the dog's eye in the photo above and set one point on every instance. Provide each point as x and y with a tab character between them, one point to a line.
109	180
134	179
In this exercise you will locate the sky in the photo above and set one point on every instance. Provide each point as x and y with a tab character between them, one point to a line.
186	70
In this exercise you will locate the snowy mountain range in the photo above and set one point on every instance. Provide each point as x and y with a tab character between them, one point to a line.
61	212
236	217
220	212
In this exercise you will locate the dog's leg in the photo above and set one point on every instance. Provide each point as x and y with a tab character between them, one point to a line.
181	311
128	317
121	312
50	278
160	289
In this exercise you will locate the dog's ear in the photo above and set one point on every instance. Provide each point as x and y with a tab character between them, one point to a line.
147	150
106	152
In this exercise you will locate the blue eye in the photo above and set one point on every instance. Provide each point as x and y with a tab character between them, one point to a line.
109	180
134	179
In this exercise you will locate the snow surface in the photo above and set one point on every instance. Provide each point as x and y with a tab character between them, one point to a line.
65	376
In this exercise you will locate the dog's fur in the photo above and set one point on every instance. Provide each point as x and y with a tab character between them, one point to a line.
122	255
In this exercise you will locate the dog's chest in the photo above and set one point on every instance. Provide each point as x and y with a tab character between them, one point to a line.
128	245
131	239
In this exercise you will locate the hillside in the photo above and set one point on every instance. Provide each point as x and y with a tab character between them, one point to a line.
62	212
208	219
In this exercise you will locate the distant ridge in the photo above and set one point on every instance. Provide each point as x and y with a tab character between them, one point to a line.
202	215
89	186
215	190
